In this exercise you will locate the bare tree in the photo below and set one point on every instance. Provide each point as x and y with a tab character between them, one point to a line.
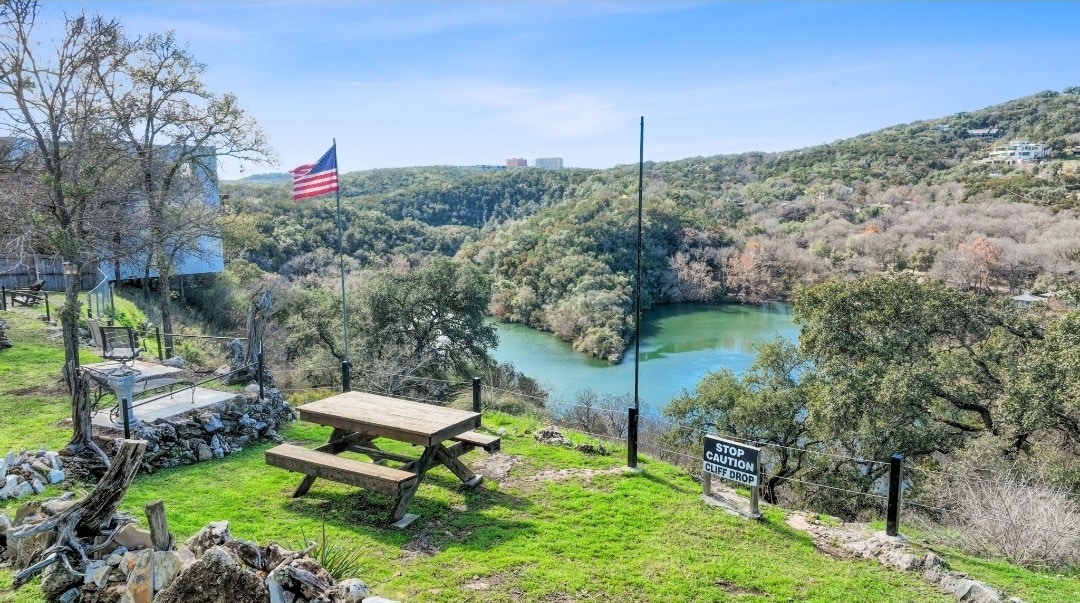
51	98
177	129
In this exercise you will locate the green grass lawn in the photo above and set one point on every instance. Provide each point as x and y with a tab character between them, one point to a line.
561	526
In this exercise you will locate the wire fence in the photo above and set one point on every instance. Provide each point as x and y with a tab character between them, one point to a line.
605	419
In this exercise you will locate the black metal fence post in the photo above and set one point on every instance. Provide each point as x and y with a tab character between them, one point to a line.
892	515
48	312
262	395
346	381
3	298
476	394
631	437
160	350
127	419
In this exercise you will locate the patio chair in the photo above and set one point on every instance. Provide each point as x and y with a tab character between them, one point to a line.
115	342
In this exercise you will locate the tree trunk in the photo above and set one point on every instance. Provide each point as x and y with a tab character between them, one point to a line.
82	440
69	322
85	518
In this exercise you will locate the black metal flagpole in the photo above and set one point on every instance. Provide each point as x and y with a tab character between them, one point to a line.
632	424
346	366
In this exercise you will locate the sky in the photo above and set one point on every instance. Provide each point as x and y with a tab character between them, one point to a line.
401	84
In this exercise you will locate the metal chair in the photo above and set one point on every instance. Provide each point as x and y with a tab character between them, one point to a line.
115	342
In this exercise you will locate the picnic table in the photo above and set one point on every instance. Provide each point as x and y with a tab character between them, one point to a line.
360	418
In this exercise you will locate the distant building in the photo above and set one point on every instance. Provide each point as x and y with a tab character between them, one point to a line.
516	162
549	163
1027	299
1019	151
984	133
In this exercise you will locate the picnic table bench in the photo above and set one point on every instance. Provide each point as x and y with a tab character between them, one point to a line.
360	418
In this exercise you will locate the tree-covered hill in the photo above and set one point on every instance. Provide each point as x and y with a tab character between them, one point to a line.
560	245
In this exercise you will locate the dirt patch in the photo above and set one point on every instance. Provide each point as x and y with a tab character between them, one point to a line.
829	538
484	582
495	466
423	544
734	589
560	475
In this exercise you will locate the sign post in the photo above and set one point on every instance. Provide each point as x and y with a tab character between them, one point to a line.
735	462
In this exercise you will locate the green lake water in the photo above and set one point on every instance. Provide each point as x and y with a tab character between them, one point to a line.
679	345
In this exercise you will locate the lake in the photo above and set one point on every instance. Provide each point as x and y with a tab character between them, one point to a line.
679	345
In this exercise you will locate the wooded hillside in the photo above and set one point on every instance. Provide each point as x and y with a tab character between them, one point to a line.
560	245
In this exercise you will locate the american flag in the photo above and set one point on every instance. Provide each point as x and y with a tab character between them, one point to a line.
316	178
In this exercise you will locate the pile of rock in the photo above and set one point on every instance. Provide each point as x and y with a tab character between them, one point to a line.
4	341
27	473
210	566
213	433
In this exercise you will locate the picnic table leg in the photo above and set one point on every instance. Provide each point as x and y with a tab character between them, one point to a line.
339	440
398	517
458	468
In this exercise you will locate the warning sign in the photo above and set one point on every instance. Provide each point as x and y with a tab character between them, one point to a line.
731	460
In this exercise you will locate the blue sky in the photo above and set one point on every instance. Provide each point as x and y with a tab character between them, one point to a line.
465	83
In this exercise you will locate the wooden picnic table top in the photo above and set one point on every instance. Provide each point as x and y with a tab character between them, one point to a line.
394	418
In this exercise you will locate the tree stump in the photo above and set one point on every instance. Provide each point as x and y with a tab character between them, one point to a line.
84	520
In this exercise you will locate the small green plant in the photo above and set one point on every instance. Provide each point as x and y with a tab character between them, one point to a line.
191	352
339	559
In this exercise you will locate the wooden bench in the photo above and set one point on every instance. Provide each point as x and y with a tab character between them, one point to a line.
471	439
317	464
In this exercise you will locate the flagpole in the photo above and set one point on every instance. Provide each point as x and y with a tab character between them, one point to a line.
632	427
346	366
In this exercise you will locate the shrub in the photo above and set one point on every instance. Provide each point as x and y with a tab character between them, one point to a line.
1027	524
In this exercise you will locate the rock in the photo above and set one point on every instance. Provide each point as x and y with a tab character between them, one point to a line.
204	452
900	560
24	490
97	573
351	590
277	594
140	581
57	579
69	596
110	594
216	578
551	436
24	551
211	422
167	566
127	562
37	487
55	476
212	534
10	459
978	592
40	467
56	506
133	538
598	450
174	361
11	483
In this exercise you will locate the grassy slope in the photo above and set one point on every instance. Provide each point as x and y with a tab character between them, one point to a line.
611	536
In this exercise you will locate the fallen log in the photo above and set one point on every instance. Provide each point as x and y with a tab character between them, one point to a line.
86	517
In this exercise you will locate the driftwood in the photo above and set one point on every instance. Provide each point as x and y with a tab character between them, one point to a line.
159	527
85	518
82	441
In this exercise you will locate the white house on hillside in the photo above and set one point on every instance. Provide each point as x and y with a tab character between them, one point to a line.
1019	151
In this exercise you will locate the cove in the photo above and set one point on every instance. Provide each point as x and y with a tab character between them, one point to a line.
679	345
